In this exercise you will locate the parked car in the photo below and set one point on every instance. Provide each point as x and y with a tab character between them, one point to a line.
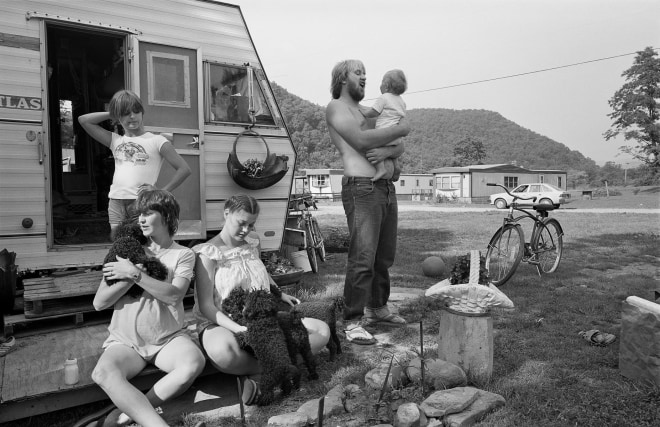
544	193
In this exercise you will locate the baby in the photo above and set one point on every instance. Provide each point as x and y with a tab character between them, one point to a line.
388	109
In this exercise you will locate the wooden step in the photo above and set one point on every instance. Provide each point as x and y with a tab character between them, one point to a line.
60	293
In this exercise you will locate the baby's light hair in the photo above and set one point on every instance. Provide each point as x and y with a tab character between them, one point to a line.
124	102
340	74
395	81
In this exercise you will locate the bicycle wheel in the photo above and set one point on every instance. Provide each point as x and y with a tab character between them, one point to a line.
504	253
319	244
547	244
309	247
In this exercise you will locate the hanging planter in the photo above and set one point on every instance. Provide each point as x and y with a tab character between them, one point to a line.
254	174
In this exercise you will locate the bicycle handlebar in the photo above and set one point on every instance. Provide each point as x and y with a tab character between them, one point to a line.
492	184
307	199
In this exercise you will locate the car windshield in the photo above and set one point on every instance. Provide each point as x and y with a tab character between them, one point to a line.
520	188
553	187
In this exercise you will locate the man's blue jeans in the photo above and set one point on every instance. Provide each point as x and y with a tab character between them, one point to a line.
372	214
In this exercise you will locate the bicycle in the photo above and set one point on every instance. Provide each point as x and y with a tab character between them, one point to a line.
314	241
507	248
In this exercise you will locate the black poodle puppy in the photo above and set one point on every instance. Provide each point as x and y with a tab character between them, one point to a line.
128	244
297	340
269	344
233	307
295	333
325	310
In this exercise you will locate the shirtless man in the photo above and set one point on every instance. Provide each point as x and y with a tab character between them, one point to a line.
370	206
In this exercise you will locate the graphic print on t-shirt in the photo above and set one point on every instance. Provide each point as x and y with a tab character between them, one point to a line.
131	152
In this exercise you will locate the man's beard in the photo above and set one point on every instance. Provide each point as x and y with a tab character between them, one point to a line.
356	94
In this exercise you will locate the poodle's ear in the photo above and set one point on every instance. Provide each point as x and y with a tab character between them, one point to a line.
130	229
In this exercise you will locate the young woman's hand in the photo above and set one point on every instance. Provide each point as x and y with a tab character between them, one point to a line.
289	299
122	269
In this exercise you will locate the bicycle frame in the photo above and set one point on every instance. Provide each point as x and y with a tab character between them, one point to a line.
508	246
529	256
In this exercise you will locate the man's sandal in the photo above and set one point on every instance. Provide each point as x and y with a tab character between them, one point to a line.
390	319
596	337
7	345
358	335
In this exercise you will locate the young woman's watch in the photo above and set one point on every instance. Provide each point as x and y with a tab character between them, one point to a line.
137	277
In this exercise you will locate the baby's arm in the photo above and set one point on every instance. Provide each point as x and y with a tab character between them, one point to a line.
369	112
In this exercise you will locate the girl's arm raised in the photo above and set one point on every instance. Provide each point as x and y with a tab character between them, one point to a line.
91	123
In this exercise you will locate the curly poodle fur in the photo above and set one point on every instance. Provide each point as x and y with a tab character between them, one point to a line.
128	244
269	344
297	340
325	310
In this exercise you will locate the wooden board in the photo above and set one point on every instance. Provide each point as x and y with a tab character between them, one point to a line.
60	293
62	285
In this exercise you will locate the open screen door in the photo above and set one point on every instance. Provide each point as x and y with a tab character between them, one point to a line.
168	81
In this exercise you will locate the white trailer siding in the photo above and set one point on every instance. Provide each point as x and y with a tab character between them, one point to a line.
219	33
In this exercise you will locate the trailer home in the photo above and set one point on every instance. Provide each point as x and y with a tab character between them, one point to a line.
197	71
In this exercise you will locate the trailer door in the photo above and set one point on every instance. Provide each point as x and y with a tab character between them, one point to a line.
169	82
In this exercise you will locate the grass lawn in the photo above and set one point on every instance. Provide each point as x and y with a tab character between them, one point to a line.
548	375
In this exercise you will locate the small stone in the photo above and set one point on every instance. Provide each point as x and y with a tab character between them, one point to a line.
376	377
352	389
292	419
486	402
445	402
407	415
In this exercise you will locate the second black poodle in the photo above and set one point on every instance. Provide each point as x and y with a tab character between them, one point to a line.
267	340
325	310
297	340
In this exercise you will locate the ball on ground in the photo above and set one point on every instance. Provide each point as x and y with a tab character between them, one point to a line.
434	266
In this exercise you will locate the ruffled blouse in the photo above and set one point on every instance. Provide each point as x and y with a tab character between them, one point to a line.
234	267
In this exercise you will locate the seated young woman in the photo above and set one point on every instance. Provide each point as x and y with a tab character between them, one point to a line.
227	261
147	329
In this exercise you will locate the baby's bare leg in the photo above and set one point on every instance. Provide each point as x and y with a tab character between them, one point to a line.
383	169
397	170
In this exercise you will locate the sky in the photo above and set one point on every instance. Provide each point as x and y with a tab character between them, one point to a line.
445	46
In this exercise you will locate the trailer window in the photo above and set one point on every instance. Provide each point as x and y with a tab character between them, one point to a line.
228	95
168	79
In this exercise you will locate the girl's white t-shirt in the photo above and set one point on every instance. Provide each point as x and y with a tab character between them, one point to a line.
137	161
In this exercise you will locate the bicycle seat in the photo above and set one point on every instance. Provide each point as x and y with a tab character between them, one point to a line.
542	207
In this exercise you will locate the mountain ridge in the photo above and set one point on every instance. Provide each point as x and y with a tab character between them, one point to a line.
434	135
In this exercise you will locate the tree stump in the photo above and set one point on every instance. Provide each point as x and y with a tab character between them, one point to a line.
466	339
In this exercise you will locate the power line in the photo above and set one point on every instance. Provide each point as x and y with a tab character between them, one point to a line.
524	74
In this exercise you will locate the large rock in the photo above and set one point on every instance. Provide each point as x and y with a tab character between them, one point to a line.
292	419
446	402
332	405
486	402
438	373
408	415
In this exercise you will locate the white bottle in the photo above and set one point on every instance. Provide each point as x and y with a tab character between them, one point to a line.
71	373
